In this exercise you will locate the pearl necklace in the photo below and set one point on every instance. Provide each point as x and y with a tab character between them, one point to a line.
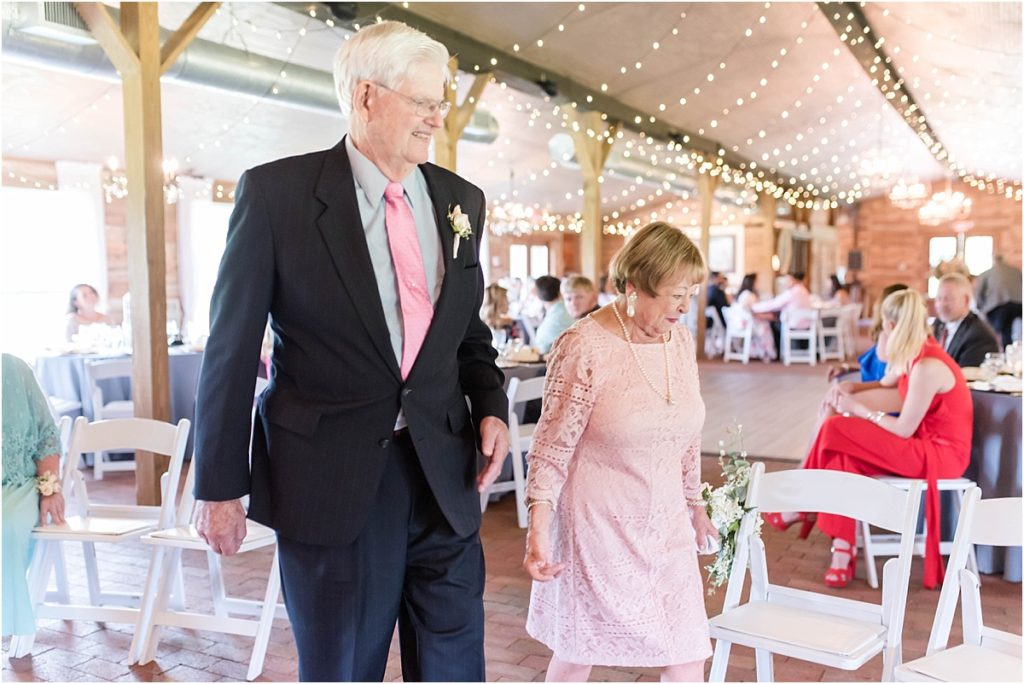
667	396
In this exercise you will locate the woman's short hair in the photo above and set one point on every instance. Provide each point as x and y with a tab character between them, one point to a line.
906	310
73	297
657	252
876	318
383	52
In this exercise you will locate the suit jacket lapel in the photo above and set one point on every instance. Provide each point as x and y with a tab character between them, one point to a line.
342	230
442	199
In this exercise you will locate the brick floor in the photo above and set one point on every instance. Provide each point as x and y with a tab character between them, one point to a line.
86	651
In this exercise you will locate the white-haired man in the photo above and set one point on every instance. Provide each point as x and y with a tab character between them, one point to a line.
363	453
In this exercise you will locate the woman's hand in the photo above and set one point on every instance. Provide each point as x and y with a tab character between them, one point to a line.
538	557
845	404
838	369
702	526
52	506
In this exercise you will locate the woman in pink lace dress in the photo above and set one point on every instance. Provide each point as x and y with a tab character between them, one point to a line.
614	485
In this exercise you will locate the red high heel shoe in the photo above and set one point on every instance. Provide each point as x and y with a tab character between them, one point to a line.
838	578
776	521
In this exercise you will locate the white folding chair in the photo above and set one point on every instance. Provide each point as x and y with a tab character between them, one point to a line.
714	340
808	625
739	327
850	321
881	544
986	654
520	441
107	369
791	334
831	340
88	523
168	544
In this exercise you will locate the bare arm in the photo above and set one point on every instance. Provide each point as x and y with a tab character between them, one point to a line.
52	505
928	378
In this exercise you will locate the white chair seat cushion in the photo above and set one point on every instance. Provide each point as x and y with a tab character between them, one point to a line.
75	527
187	537
966	663
797	627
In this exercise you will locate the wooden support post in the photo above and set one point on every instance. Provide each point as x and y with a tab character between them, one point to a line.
446	138
135	50
593	145
706	185
765	271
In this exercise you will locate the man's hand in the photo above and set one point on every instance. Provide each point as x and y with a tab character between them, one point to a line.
493	445
221	524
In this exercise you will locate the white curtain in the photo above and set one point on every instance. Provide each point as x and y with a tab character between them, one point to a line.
191	190
87	176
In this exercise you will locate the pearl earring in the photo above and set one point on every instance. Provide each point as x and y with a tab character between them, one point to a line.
631	305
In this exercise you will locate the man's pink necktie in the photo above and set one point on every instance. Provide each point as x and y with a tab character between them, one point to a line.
413	297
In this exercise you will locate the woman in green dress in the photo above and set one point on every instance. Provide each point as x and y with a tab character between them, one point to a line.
31	467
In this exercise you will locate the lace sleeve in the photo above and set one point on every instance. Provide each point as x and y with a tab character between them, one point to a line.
47	438
691	471
569	396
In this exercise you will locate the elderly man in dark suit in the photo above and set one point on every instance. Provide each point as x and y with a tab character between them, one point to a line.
964	336
364	452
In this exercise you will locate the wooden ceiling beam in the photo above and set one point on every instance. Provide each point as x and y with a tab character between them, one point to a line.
181	38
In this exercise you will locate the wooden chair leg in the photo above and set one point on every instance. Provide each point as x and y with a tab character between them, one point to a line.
720	661
144	624
259	647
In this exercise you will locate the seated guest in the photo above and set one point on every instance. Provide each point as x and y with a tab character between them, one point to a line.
494	311
872	369
930	438
964	336
762	345
717	296
31	493
82	309
840	296
557	318
580	296
795	296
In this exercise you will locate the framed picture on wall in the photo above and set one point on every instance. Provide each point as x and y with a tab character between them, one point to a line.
722	253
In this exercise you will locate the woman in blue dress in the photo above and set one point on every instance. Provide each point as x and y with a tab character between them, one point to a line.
31	490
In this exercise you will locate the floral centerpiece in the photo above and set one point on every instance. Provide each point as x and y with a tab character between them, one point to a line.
725	506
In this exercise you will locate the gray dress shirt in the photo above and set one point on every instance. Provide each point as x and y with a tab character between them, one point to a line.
370	185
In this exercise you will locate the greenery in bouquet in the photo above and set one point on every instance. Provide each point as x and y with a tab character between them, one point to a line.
725	506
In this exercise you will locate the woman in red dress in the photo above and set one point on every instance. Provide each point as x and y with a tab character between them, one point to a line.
930	438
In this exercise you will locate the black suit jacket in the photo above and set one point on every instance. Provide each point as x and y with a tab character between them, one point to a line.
973	339
296	250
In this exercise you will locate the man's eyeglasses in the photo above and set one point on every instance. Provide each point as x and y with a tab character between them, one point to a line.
423	106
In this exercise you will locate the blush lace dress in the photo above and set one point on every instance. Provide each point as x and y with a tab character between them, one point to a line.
620	463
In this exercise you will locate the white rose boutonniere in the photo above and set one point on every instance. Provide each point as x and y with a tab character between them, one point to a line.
460	226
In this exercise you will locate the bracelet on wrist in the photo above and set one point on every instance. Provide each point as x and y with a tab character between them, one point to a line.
876	417
535	502
47	484
696	503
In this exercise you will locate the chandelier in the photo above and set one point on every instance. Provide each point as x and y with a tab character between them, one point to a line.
516	219
115	181
908	195
945	207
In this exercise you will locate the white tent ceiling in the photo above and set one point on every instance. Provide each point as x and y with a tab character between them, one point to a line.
771	82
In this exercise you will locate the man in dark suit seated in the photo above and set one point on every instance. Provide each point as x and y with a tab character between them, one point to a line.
364	459
964	336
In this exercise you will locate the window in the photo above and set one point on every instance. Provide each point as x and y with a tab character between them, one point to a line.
976	252
48	246
208	232
528	261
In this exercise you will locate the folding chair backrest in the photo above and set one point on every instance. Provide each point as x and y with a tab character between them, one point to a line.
130	434
831	491
520	390
990	522
106	369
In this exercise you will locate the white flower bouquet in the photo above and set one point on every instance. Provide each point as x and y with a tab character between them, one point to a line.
725	506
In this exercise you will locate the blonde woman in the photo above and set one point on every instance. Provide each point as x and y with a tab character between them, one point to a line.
929	439
494	311
614	487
